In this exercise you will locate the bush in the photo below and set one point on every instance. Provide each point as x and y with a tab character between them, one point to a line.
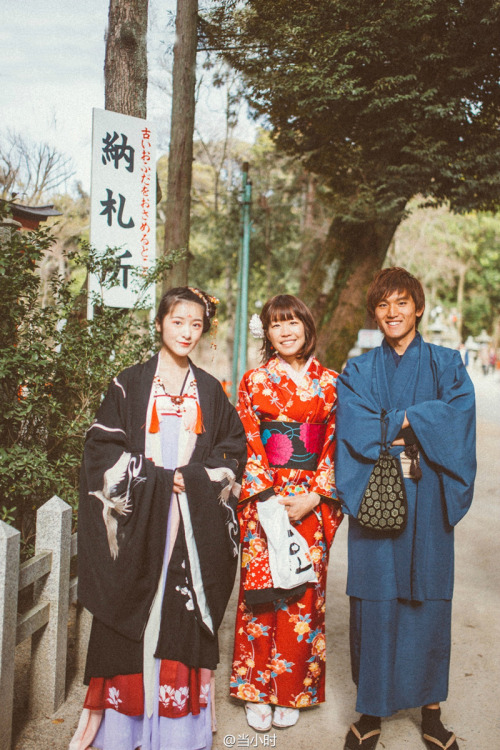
55	366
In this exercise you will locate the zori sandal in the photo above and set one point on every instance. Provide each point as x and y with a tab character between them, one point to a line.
355	740
434	733
434	744
259	716
285	717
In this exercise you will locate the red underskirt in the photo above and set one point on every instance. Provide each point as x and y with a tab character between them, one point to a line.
183	691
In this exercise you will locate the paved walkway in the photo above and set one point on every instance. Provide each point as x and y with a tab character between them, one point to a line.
472	707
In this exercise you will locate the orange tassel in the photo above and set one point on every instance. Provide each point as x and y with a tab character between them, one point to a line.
155	422
199	421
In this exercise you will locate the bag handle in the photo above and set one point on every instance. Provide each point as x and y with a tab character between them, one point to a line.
383	431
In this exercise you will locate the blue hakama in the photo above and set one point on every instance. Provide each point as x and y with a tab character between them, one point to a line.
384	636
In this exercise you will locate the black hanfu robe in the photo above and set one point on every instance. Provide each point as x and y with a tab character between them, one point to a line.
123	512
401	586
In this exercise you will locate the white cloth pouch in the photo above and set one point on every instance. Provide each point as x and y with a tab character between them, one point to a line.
289	557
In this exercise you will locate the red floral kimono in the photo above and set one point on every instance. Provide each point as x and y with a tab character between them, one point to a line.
279	650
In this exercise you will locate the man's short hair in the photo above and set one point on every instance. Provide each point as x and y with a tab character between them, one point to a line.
391	280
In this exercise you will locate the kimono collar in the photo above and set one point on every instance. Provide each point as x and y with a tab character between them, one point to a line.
391	355
296	375
397	383
140	402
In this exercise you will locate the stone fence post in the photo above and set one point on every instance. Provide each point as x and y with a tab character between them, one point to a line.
9	582
49	644
84	626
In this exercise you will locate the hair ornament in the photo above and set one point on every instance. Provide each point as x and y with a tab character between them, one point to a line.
207	300
213	329
256	327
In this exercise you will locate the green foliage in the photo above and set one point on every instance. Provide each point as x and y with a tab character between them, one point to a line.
276	215
55	366
457	257
6	514
482	288
385	100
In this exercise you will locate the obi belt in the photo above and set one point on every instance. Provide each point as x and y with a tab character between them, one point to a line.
293	445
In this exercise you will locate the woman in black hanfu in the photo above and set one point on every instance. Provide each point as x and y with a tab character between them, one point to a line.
158	541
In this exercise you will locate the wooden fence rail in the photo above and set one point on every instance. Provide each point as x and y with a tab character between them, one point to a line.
46	622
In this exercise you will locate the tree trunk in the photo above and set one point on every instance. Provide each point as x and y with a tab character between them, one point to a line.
495	341
126	65
336	289
177	222
311	244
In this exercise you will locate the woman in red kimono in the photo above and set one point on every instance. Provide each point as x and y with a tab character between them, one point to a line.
287	407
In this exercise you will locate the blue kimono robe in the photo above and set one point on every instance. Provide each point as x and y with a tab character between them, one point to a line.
401	586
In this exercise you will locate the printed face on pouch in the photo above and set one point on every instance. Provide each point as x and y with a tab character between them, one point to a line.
287	337
396	316
181	328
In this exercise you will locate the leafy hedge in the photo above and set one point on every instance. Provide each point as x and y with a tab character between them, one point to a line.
54	368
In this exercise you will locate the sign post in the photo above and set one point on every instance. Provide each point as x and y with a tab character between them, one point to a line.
241	323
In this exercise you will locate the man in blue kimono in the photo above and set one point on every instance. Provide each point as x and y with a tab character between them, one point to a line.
401	585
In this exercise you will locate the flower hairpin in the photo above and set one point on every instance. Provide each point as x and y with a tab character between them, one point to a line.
205	298
256	327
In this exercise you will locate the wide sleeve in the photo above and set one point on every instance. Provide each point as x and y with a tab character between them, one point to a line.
446	431
122	518
114	472
229	444
358	433
219	469
323	480
209	504
258	476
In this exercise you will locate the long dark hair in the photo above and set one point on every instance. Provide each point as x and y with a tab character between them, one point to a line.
286	307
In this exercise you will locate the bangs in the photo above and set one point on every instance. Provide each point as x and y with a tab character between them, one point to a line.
396	288
287	307
276	316
391	281
284	307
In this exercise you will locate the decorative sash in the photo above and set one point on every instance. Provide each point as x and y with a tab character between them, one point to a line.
293	445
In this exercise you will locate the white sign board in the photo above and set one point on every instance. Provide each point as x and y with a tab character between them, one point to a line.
123	200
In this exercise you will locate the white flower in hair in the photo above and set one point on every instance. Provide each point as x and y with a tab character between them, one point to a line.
256	328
